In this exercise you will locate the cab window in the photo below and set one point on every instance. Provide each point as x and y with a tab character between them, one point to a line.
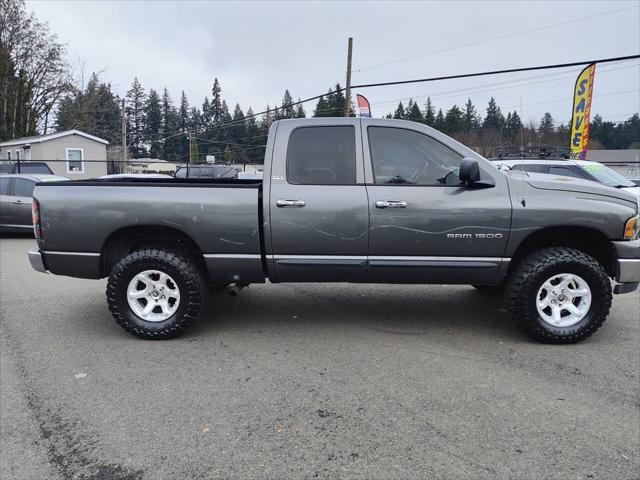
322	156
401	156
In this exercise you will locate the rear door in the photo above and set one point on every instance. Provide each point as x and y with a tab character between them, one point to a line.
318	209
21	198
425	227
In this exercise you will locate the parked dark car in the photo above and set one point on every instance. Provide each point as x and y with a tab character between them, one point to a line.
15	200
26	168
206	171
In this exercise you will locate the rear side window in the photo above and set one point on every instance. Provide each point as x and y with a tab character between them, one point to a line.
23	188
4	186
537	168
34	168
564	171
322	156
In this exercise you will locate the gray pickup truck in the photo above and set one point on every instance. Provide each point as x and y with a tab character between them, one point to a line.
347	200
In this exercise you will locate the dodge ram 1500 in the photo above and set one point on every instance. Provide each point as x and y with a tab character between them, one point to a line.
347	200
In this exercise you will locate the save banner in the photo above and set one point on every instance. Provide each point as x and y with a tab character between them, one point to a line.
363	106
581	111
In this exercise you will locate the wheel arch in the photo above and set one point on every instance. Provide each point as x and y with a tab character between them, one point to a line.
125	240
589	240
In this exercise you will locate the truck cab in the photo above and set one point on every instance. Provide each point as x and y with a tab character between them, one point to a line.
380	201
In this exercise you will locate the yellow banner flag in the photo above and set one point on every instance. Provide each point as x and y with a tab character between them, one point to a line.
581	113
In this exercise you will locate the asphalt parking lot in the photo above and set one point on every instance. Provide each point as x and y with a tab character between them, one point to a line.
309	381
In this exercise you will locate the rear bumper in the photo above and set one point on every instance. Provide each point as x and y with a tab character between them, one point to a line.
71	264
627	266
36	261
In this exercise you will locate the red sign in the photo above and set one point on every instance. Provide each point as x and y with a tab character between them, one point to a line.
363	106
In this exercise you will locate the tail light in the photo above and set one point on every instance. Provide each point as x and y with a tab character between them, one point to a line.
35	215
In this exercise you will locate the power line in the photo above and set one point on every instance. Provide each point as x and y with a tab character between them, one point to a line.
496	72
500	37
435	79
482	88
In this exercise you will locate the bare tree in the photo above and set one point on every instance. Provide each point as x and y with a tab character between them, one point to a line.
35	73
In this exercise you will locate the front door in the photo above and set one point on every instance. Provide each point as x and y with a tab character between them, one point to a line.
425	226
319	215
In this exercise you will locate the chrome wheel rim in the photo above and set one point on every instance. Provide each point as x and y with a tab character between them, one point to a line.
153	295
563	300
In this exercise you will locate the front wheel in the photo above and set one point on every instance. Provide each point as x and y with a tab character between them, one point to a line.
155	293
559	295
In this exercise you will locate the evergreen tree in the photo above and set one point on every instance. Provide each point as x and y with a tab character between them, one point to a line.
254	137
513	125
471	120
206	113
216	102
332	104
300	113
494	119
546	124
413	112
321	108
238	130
95	110
288	110
170	129
227	155
183	125
429	115
338	103
135	119
153	124
438	124
454	120
400	112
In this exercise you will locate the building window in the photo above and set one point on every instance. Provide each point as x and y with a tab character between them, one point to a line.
9	155
75	159
18	156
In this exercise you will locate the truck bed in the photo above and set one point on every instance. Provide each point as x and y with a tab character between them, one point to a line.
222	216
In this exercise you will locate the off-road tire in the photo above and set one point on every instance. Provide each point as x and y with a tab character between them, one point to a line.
182	268
533	270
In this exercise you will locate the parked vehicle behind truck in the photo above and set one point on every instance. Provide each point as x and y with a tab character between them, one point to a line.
347	200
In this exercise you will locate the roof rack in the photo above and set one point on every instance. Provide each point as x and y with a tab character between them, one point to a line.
546	152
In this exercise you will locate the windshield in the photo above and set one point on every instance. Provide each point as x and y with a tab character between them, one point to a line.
606	175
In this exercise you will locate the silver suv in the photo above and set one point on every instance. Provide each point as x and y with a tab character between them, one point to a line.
594	171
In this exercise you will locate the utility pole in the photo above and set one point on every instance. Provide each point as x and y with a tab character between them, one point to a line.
123	126
190	148
347	99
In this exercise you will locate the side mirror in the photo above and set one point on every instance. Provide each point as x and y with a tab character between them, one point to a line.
469	171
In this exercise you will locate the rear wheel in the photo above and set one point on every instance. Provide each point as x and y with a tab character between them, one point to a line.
156	293
559	295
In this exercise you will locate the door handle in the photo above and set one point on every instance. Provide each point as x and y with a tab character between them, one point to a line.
391	204
282	203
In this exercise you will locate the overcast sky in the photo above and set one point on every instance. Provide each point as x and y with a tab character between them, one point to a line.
257	49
